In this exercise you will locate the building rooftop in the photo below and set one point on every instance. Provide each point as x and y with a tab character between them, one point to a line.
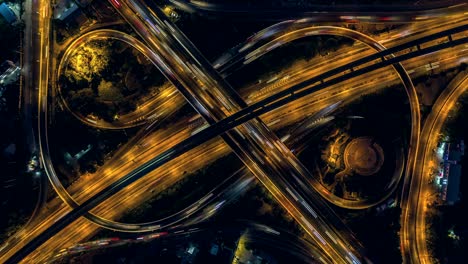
214	249
453	187
64	8
451	173
7	12
10	75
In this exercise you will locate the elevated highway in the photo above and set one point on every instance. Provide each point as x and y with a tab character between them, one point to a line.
253	142
197	139
413	225
378	13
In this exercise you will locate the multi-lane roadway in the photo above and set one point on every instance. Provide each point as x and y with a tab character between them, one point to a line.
166	153
130	159
413	235
157	107
347	13
253	142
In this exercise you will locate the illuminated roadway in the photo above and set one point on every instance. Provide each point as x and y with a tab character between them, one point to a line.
413	235
157	107
29	94
132	197
281	33
202	138
324	30
253	142
293	35
392	13
314	31
227	191
277	239
290	30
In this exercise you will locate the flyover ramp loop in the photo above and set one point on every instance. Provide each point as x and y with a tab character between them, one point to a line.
214	99
130	229
186	145
413	220
113	34
409	88
172	99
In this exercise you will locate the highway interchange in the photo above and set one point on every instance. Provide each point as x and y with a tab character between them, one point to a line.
413	226
226	110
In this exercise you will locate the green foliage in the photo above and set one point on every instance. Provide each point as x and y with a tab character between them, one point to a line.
108	91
